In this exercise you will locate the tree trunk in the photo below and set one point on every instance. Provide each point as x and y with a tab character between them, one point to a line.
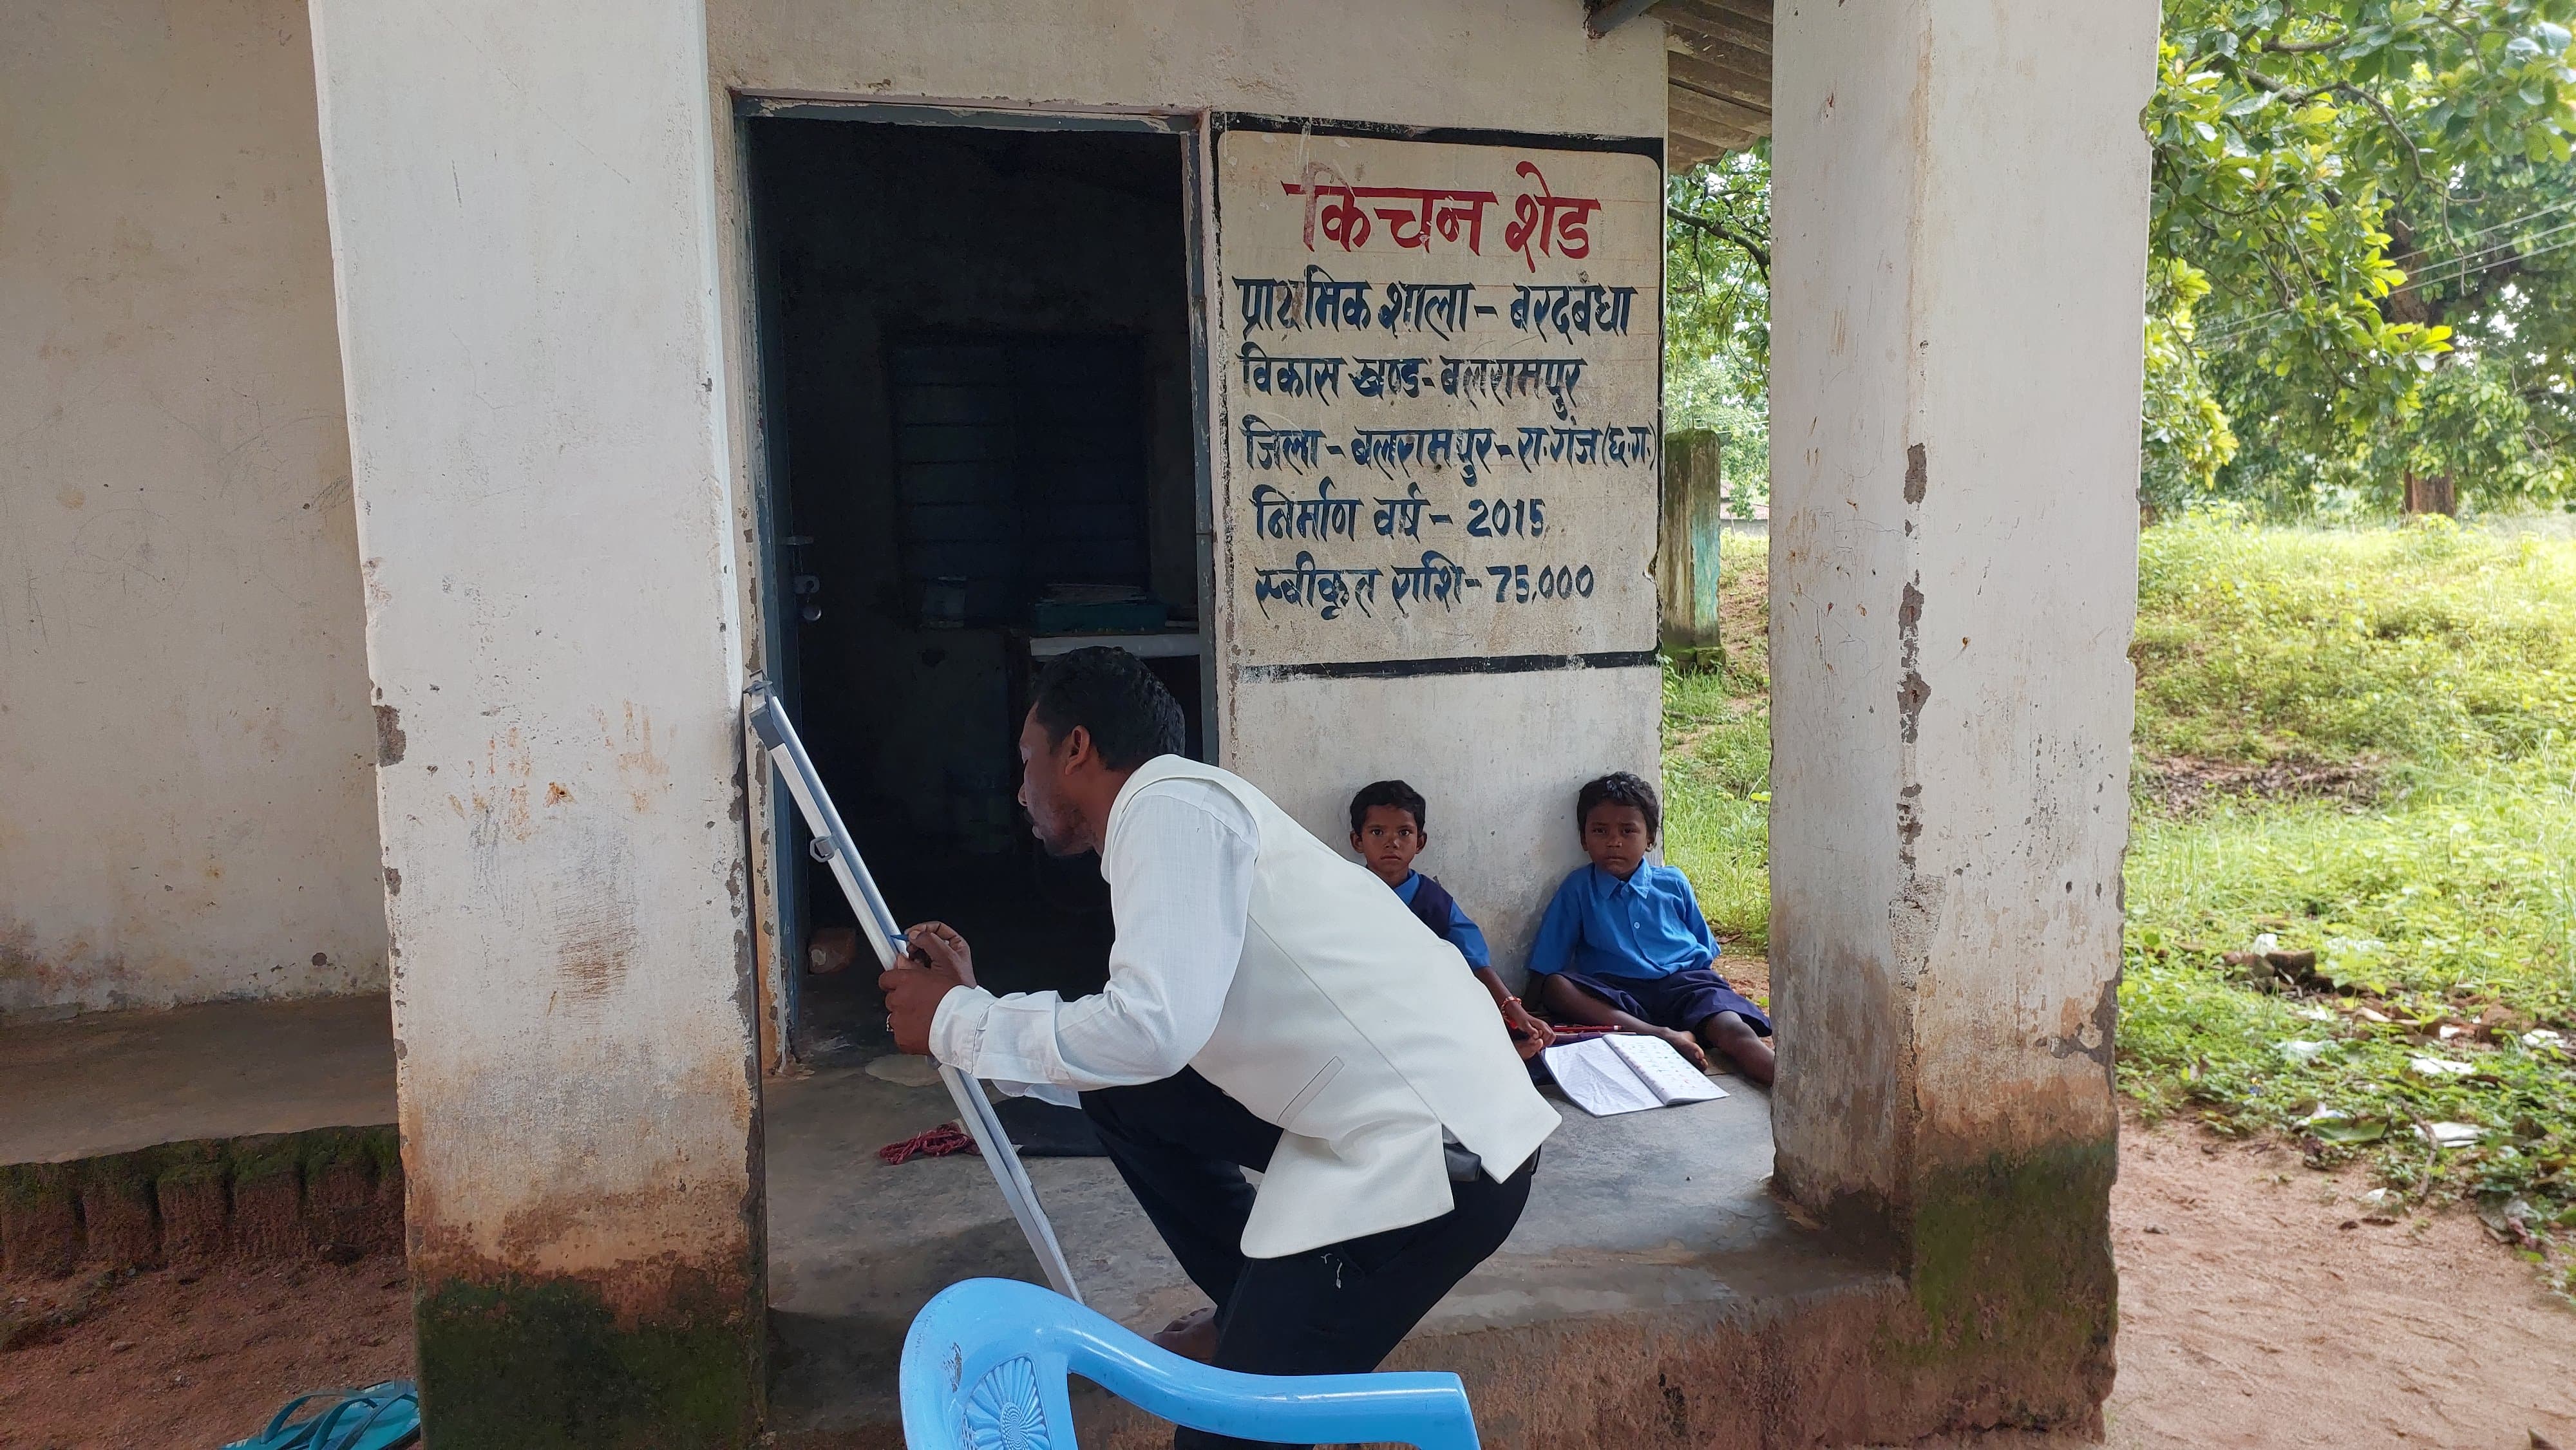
2431	494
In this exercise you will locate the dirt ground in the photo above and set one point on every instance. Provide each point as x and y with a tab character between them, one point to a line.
2251	1316
192	1359
2259	1307
1748	974
2182	784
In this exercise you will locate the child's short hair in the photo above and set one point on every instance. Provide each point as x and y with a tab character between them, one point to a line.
1393	793
1620	788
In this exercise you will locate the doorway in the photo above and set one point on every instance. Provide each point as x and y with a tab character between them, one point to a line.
978	356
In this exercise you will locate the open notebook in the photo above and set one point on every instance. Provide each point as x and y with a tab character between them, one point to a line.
1622	1073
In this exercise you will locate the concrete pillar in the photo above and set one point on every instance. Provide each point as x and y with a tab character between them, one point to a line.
1686	539
1960	205
523	230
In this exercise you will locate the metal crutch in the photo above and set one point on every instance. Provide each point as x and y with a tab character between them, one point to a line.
833	847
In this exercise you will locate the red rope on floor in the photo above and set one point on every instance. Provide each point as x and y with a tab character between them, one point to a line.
939	1142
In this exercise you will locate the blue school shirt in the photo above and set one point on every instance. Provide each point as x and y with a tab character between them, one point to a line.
1646	926
1462	933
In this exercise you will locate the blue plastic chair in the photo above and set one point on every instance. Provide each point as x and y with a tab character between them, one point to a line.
985	1362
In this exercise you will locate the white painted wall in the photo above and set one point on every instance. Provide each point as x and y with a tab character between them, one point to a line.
186	802
1959	195
1515	64
522	224
1499	755
1498	759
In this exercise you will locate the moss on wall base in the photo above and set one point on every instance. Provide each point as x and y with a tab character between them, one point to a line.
546	1364
334	1193
2011	1268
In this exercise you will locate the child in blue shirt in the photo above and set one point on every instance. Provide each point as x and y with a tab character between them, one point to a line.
1388	829
1624	944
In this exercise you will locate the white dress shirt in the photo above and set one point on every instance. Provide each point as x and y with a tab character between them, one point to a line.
1180	891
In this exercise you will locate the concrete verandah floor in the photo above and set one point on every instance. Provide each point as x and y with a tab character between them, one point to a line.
1645	1212
1650	1238
113	1082
241	1130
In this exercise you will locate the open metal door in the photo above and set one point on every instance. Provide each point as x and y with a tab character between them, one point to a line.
834	848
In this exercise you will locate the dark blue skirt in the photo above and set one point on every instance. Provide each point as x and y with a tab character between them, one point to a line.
1681	1001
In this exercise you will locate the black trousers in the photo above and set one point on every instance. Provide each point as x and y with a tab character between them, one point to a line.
1182	1146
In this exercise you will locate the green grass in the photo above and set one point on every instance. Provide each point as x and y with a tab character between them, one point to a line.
2440	662
1717	806
2452	908
2443	915
1717	763
2425	646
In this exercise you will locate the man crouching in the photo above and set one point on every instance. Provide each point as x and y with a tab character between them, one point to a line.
1270	1006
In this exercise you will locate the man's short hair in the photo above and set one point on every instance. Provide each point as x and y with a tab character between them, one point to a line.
1111	694
1393	793
1620	788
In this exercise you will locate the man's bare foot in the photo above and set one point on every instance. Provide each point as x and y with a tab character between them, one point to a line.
1192	1336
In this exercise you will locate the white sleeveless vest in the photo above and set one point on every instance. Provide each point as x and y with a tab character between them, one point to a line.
1361	1034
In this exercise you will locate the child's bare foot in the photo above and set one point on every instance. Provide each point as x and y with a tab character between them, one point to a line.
1746	1048
1688	1046
1756	1060
1192	1336
1530	1036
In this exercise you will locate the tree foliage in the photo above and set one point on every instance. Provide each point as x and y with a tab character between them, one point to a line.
2376	192
2188	436
2362	261
1717	256
1717	310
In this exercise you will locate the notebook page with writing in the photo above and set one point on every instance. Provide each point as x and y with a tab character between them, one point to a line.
1598	1079
1664	1071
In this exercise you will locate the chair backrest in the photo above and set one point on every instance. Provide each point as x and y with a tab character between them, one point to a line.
984	1368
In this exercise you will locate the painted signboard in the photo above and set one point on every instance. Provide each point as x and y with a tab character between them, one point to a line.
1438	377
